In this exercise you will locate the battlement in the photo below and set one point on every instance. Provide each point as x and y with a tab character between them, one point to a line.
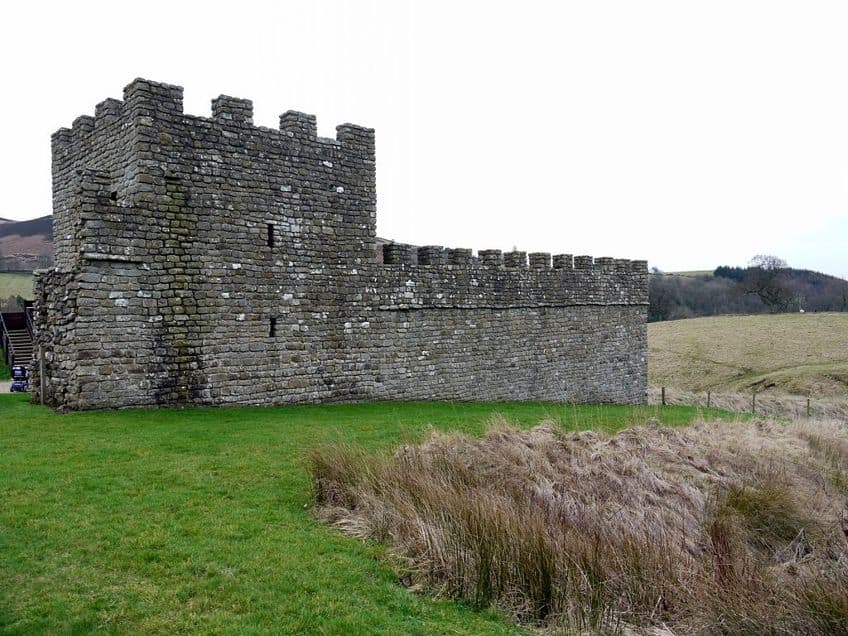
232	110
435	277
207	260
108	110
437	256
145	102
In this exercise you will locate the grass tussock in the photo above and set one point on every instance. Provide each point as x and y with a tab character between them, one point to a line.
714	528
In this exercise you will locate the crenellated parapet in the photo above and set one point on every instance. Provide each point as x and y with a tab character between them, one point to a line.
145	102
436	255
434	277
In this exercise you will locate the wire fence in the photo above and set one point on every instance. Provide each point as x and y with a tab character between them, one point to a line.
757	403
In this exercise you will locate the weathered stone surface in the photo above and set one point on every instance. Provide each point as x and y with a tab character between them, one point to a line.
209	261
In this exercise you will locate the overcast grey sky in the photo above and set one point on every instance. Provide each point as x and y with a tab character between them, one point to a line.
691	134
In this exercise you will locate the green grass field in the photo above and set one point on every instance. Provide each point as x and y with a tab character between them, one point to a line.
805	354
167	521
16	285
693	273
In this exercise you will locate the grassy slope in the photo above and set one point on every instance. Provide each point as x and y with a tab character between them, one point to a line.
16	285
693	273
800	353
198	519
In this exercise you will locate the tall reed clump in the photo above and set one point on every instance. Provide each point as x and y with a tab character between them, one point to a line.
716	528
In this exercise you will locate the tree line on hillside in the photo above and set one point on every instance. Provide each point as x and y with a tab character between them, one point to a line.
767	285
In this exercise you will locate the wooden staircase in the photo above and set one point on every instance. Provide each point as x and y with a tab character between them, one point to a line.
16	338
21	347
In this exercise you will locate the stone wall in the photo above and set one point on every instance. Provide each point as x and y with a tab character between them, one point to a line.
210	261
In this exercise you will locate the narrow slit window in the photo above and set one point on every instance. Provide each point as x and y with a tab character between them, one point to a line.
272	328
270	235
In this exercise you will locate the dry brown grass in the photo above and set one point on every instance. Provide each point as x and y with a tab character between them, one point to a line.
804	354
714	528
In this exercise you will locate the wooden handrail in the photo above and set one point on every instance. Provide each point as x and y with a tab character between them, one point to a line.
29	322
8	348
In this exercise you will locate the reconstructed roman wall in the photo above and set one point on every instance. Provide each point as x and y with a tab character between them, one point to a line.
211	261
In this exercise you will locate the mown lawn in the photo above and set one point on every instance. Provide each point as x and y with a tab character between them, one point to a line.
163	521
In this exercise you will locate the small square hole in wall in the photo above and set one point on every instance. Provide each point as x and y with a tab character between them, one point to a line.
270	235
272	328
113	195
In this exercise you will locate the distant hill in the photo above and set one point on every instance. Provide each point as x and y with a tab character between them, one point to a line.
26	245
744	290
42	226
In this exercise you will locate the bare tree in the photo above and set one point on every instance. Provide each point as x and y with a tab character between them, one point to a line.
764	279
768	262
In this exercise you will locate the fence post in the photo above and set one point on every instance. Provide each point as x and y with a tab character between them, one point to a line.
708	399
808	407
41	373
663	396
754	402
